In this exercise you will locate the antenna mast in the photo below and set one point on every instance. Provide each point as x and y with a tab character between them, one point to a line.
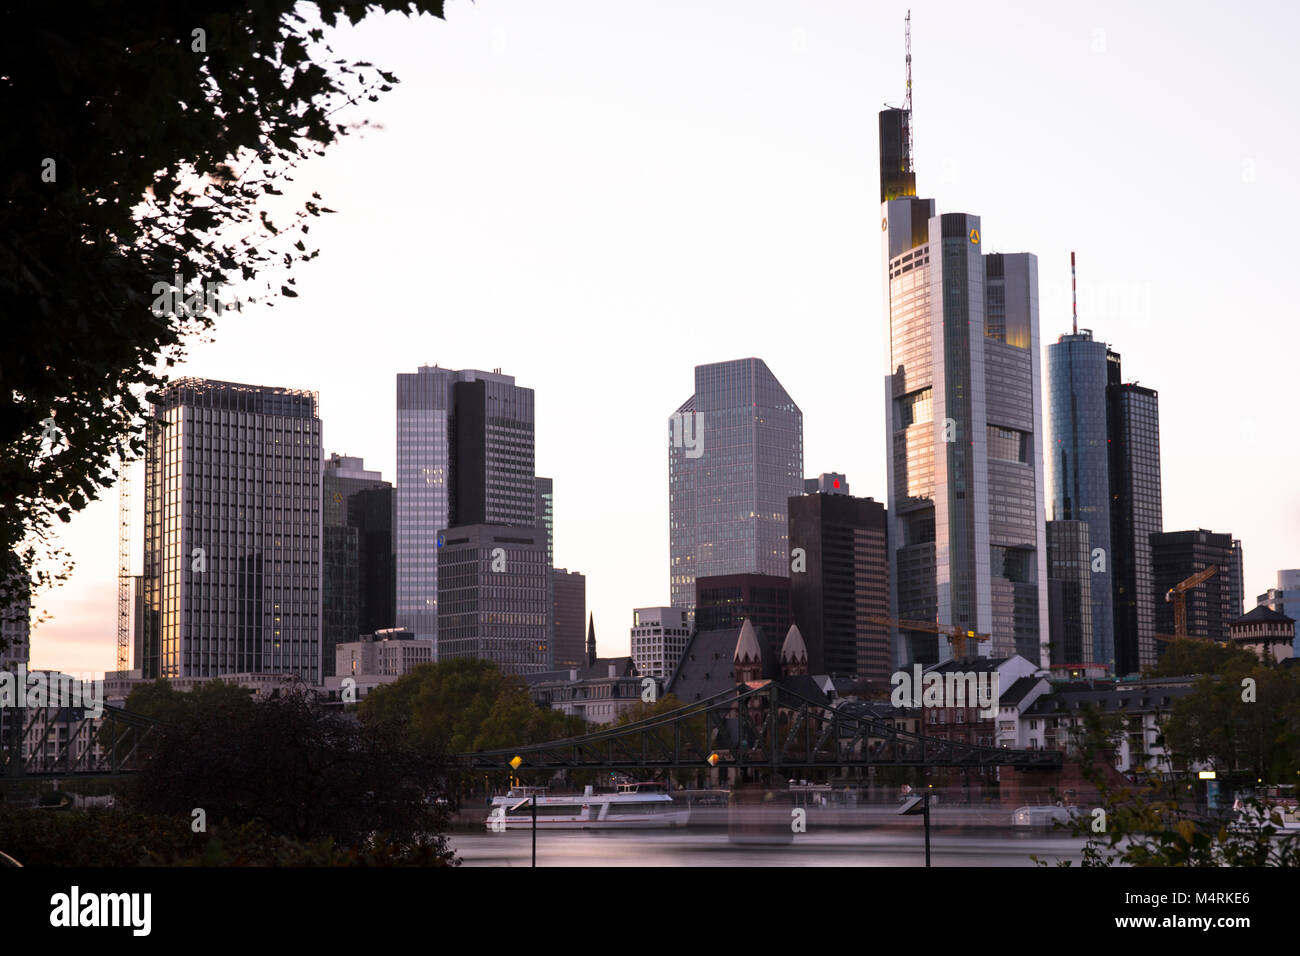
907	99
1074	294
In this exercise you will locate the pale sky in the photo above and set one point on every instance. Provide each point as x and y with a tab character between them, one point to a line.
598	196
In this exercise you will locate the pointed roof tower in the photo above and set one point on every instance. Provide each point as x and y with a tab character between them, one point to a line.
748	659
591	640
794	653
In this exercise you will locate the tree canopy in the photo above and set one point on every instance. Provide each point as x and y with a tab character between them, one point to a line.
140	140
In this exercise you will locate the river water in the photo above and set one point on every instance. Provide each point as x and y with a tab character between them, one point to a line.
837	846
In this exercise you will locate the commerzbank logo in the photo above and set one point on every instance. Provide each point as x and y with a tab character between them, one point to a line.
975	235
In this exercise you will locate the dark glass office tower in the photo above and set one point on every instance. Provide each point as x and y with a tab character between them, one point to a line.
1078	468
735	456
964	426
1212	605
569	612
843	585
1069	594
232	544
464	456
728	600
357	555
1136	513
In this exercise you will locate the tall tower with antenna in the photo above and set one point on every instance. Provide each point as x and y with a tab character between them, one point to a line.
907	98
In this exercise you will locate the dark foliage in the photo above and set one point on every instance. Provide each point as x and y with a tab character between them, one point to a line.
301	771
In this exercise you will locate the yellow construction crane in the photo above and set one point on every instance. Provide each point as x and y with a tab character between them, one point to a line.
1177	596
957	636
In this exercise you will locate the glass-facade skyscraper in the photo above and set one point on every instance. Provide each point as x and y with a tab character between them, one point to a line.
735	457
967	539
464	456
1078	470
232	544
1136	513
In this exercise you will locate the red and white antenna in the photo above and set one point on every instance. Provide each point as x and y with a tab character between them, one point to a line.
1074	294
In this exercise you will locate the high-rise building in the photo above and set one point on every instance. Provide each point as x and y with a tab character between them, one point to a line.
735	455
544	509
1078	475
964	423
1285	599
1212	605
464	456
232	542
356	559
729	600
1136	513
659	638
568	608
839	584
15	623
1070	596
492	587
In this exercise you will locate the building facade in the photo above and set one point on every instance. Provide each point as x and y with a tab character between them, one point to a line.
232	542
15	624
964	424
659	638
356	558
839	584
735	455
1211	606
1078	470
1285	598
492	594
464	456
568	615
1136	513
1070	596
727	601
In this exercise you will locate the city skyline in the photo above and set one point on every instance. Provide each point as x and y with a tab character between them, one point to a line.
781	258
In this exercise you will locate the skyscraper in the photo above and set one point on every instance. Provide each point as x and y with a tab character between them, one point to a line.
659	638
1078	471
1136	513
839	582
464	456
735	455
1212	605
356	557
964	422
232	544
1070	596
544	509
568	608
492	594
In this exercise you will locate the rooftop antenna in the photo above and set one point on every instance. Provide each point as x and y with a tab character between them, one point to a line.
1074	294
907	99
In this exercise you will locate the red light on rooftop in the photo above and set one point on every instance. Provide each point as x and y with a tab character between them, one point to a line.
836	483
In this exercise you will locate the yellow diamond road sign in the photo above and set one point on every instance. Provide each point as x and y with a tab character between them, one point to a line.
713	760
516	761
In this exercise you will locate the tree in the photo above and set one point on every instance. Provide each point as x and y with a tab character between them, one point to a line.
301	771
161	701
141	138
463	705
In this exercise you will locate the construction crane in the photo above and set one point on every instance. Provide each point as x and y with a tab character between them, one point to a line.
124	564
957	636
1177	596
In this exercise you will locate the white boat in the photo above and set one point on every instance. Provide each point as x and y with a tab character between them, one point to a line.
635	805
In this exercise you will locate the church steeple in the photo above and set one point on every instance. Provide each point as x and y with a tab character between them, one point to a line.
591	640
748	659
794	653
